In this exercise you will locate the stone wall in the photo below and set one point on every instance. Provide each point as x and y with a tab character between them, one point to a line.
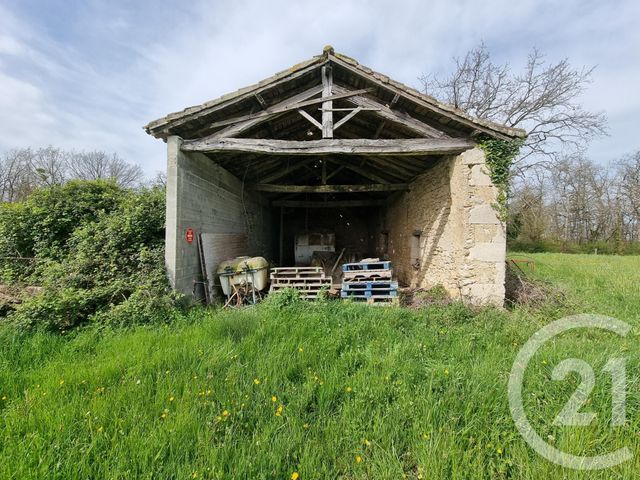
445	231
205	197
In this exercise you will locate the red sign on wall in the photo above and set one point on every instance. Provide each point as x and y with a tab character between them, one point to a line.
189	235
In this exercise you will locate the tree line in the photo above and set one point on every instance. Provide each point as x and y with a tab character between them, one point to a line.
24	170
575	200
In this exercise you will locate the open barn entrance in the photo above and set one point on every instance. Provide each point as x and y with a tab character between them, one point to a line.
330	156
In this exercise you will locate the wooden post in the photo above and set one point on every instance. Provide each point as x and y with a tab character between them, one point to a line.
281	235
327	112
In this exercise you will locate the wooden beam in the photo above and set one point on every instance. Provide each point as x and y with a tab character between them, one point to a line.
312	120
163	126
328	203
327	146
335	172
365	172
260	100
327	105
347	117
375	187
271	111
382	124
281	172
422	102
395	116
391	168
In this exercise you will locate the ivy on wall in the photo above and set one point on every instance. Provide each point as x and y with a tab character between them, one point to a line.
499	155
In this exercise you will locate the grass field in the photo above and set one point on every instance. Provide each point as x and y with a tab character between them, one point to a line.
327	390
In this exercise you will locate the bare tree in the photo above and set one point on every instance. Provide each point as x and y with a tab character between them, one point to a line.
49	165
543	99
98	165
628	193
17	178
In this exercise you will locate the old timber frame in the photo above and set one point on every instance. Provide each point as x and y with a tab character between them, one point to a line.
330	144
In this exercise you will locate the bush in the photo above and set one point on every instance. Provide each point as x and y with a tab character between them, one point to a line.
39	228
109	268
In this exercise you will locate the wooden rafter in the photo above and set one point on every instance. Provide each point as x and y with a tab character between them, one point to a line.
249	121
380	187
468	122
311	120
364	172
290	106
394	116
327	204
405	146
347	117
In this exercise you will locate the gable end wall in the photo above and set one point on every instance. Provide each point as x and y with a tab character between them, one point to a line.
462	242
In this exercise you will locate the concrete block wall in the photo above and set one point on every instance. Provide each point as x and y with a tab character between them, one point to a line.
205	197
445	231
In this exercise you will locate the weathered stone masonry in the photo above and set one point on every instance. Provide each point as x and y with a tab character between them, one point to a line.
449	214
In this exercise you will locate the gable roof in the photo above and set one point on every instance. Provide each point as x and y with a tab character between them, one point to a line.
194	122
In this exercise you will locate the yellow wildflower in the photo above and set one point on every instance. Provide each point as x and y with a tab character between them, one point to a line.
172	398
274	399
367	442
4	397
194	475
446	371
295	476
256	381
348	389
300	349
225	413
279	411
358	459
499	451
61	382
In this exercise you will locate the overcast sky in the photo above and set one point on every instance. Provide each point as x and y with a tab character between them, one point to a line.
89	74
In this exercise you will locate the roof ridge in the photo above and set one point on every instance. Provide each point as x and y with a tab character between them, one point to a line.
328	55
511	131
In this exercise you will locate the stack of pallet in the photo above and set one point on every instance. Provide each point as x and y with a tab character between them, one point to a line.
308	280
369	281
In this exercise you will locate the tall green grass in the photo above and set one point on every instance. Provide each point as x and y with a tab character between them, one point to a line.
326	390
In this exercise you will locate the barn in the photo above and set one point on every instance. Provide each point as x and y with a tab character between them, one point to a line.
330	149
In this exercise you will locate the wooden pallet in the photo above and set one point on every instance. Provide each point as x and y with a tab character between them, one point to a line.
369	294
381	301
288	271
366	275
370	285
360	266
309	281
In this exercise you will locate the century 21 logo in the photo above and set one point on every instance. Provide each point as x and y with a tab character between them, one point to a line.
570	414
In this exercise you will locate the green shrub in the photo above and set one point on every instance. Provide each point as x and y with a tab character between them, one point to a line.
109	268
39	228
